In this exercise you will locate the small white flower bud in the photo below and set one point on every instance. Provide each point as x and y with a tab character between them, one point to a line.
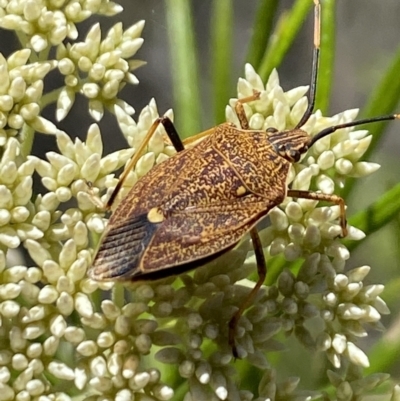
80	378
101	384
130	47
48	295
58	326
61	371
98	366
357	356
96	109
19	362
37	252
87	348
124	395
34	350
97	72
33	331
83	305
74	335
106	339
65	304
77	270
51	345
339	343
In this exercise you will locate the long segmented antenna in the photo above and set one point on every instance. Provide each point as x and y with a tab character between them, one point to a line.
329	130
315	63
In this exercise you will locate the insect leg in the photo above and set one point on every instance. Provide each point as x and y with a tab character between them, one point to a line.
197	137
173	136
262	272
239	109
337	200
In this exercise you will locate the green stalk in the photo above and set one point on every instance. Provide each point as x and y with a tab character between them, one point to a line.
327	56
383	100
283	37
221	38
184	66
262	29
381	212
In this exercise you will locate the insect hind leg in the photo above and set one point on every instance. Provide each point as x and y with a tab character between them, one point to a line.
262	273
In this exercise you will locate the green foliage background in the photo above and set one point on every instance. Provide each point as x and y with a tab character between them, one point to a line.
374	204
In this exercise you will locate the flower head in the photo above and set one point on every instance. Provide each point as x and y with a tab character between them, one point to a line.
62	334
99	68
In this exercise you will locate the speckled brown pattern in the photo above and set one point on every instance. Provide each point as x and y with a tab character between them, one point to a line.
197	204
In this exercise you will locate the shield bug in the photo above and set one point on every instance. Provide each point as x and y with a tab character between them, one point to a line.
198	204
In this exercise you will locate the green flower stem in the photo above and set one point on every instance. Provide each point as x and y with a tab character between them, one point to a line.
284	35
118	295
27	135
23	39
384	100
327	56
262	29
221	34
184	67
44	54
50	97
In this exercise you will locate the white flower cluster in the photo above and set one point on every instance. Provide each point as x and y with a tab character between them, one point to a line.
67	325
65	337
99	68
49	22
21	88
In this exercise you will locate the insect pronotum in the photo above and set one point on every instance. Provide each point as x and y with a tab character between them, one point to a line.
199	203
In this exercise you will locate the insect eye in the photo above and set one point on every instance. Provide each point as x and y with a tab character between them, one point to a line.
281	149
295	155
272	130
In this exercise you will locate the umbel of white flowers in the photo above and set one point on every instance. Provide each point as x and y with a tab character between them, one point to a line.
64	336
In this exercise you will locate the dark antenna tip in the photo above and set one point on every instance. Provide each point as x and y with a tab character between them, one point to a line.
330	130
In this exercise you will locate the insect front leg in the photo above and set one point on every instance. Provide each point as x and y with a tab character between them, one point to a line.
239	109
318	196
175	140
262	272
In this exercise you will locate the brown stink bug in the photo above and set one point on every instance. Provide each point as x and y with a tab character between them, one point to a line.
199	203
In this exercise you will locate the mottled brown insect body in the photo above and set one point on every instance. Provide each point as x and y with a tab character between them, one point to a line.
199	203
230	179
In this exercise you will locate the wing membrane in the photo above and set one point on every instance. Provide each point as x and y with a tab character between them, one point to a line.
122	248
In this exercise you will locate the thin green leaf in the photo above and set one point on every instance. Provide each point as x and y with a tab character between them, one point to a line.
327	55
184	67
384	354
285	32
262	29
221	34
383	100
377	215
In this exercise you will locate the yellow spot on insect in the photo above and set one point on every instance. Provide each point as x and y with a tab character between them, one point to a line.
241	191
155	216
